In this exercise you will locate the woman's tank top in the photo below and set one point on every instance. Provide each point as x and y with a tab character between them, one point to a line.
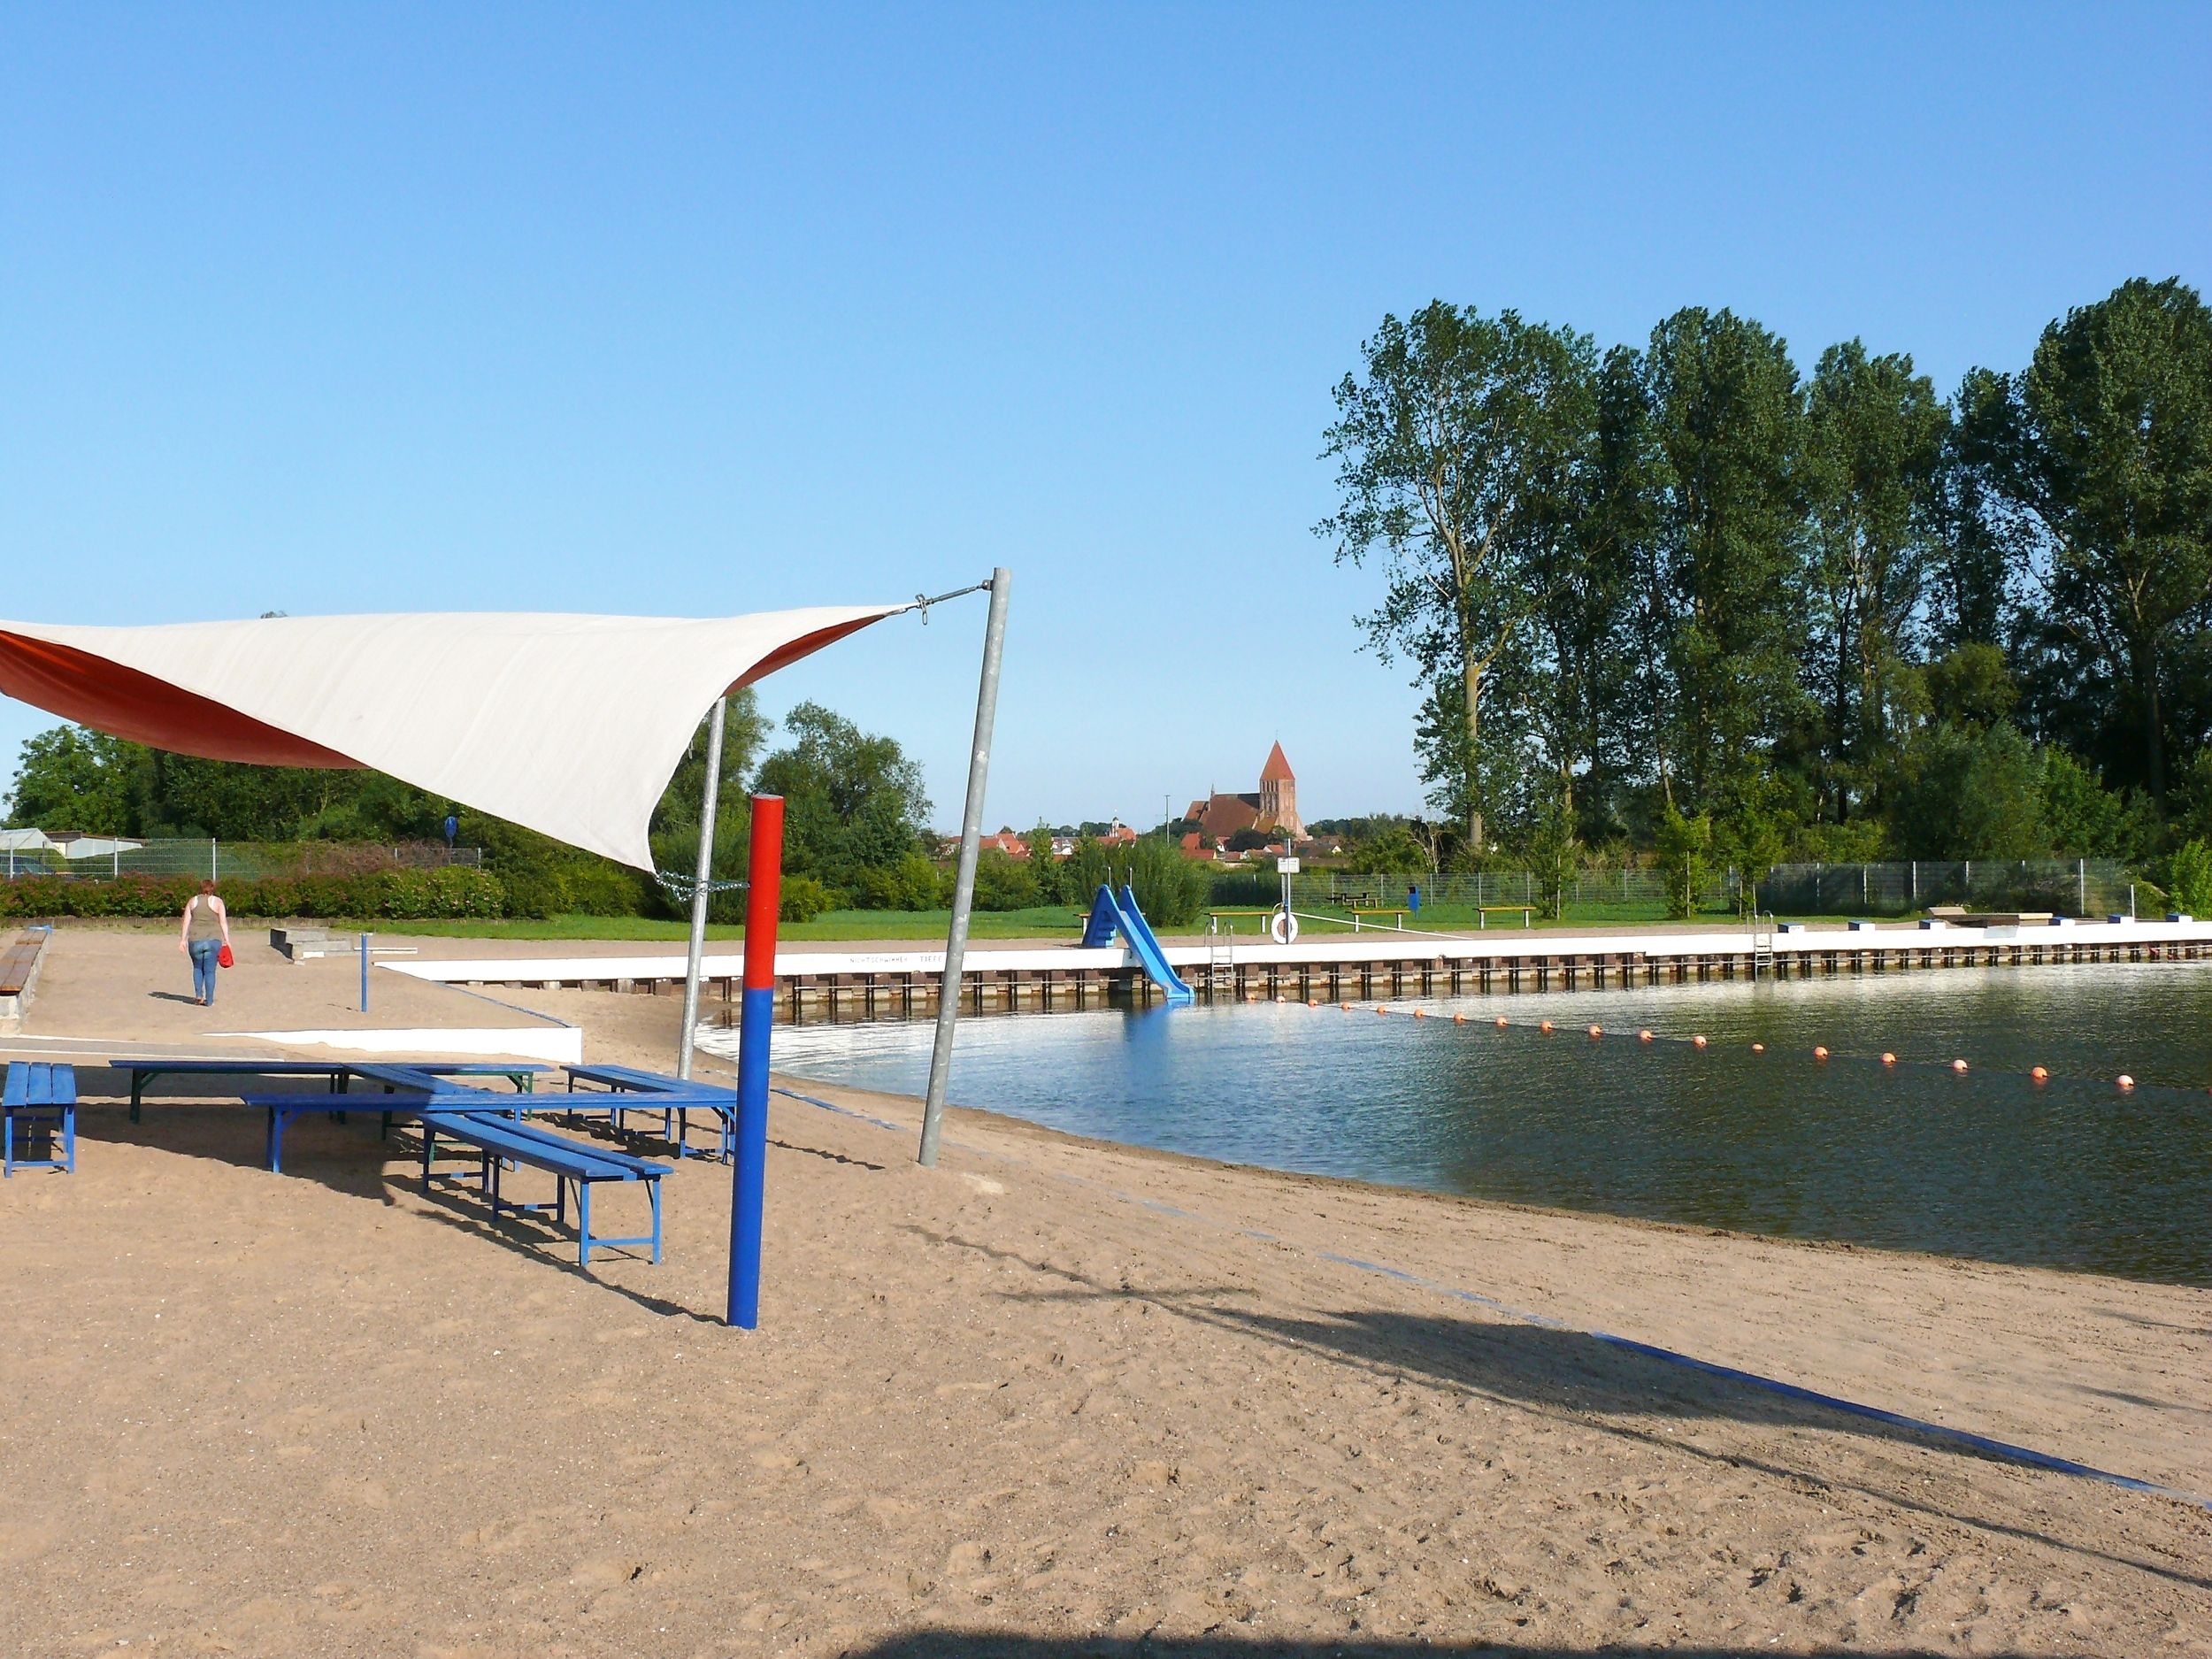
207	923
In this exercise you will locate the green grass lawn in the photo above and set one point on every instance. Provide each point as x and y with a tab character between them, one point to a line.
1042	922
1051	921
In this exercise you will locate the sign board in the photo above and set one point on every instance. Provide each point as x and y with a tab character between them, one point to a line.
1285	866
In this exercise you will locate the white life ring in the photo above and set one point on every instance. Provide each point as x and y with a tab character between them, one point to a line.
1282	927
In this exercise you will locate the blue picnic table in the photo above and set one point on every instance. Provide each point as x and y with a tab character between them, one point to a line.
674	1098
522	1073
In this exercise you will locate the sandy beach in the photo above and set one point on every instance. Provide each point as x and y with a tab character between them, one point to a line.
1052	1398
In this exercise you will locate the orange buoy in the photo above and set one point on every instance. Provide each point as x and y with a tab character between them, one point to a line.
1597	1030
1501	1022
1888	1058
1819	1053
1279	997
2037	1073
1758	1047
1420	1013
2124	1080
1347	1007
1251	996
1313	1002
1459	1019
1958	1065
1380	1010
1643	1036
1699	1041
1543	1024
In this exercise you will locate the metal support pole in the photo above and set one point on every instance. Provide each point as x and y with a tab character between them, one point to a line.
748	1165
963	881
708	801
364	973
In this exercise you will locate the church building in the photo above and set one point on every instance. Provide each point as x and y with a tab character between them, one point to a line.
1272	809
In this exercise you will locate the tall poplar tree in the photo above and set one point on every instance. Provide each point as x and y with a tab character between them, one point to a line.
1458	444
1874	444
1722	540
2100	458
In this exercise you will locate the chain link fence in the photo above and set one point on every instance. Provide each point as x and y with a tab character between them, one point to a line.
2070	886
2064	886
236	860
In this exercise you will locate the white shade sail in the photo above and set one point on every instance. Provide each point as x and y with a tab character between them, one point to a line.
569	724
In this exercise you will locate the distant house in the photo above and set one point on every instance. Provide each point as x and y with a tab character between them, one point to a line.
1120	835
1006	842
1272	809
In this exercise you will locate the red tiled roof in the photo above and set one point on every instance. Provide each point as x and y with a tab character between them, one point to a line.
1277	768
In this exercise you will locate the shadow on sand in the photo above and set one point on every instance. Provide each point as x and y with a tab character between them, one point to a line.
979	1644
1565	1373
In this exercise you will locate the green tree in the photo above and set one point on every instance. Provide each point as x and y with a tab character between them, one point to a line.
2191	880
2099	461
1720	548
1969	792
1170	888
1004	882
852	801
1875	433
1396	851
1458	446
72	779
1683	843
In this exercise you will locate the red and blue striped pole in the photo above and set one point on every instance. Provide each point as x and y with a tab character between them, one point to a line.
749	1175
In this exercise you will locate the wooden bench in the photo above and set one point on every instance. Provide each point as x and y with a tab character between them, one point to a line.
42	1097
500	1141
1359	911
16	963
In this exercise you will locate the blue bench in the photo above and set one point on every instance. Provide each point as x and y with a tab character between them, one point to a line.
501	1141
40	1097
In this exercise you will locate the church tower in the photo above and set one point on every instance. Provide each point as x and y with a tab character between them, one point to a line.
1278	796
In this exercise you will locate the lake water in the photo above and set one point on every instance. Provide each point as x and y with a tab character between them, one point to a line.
2072	1173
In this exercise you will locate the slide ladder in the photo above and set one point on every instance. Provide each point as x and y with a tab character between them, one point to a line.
1113	913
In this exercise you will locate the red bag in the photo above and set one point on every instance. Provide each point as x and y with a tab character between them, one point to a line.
224	959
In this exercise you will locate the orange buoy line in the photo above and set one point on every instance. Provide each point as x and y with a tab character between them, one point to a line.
2036	1073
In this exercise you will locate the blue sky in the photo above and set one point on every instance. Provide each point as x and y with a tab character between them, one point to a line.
719	309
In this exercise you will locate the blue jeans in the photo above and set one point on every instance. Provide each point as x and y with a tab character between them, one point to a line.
203	954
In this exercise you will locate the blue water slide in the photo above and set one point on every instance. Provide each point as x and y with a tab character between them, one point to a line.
1114	913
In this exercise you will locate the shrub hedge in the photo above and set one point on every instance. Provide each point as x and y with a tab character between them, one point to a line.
456	891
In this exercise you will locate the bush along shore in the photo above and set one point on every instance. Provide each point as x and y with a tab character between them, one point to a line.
454	893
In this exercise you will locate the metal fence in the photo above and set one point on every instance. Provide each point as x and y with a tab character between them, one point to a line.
2072	886
1624	888
235	861
2066	887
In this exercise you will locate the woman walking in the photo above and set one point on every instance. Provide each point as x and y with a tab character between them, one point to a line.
205	936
